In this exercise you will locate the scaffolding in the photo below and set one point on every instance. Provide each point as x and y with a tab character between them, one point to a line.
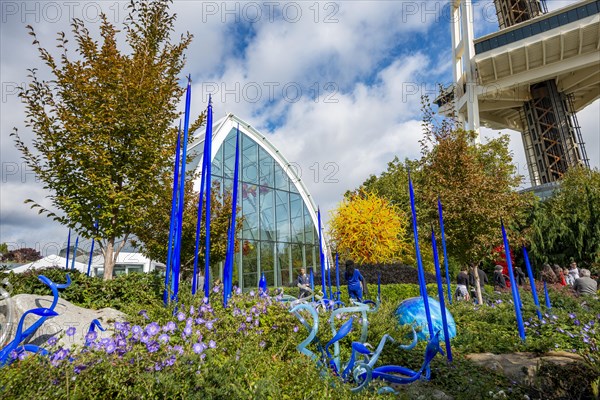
511	12
551	134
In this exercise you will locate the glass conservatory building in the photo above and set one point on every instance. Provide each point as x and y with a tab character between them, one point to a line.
279	232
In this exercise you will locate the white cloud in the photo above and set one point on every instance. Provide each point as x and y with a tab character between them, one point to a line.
379	55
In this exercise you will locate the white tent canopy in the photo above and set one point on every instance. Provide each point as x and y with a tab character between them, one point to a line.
52	260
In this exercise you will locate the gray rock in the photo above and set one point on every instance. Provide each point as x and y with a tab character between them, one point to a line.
521	367
69	315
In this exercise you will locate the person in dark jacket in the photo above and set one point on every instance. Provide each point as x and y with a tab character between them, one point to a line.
519	276
462	280
483	279
304	284
499	280
355	281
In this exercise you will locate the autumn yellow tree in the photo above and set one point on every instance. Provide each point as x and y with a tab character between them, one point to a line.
368	229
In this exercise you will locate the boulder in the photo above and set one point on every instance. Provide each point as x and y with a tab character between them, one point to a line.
522	367
69	315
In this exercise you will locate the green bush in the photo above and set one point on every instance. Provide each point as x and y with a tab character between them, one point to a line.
258	358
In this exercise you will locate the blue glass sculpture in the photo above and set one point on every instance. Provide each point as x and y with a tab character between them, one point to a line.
412	312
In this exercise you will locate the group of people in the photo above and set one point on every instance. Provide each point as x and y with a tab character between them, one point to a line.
579	279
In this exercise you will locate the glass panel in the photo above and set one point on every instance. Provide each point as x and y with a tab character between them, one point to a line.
310	257
293	188
297	220
266	164
297	259
309	228
283	216
100	272
119	270
267	263
281	178
250	264
249	195
229	154
217	163
227	187
249	160
266	213
133	269
283	263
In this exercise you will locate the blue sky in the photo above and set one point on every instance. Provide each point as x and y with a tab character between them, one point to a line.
336	85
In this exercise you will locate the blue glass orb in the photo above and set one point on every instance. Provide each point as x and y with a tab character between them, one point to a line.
411	311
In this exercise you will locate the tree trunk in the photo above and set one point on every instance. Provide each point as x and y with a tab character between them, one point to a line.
109	259
477	286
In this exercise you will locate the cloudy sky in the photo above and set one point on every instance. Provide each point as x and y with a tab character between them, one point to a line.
335	85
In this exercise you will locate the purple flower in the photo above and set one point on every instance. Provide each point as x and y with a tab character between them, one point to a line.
216	289
52	341
157	367
152	329
203	308
91	336
71	331
170	361
212	344
144	314
170	327
164	338
256	322
61	354
198	348
251	293
79	368
13	355
178	349
571	315
238	291
23	355
262	344
187	331
110	347
576	322
209	325
242	327
192	310
152	346
295	328
136	330
249	318
254	310
180	316
586	339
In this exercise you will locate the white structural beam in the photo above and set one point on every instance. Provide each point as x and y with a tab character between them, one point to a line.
463	54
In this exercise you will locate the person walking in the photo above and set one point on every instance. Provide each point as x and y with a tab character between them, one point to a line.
304	284
499	280
462	280
354	280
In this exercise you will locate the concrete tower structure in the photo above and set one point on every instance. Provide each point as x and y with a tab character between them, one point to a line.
532	76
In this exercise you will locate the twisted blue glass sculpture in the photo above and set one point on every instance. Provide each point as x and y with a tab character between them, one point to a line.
43	313
360	368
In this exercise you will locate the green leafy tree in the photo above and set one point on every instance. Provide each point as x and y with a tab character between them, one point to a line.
153	232
104	139
568	224
477	184
3	248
